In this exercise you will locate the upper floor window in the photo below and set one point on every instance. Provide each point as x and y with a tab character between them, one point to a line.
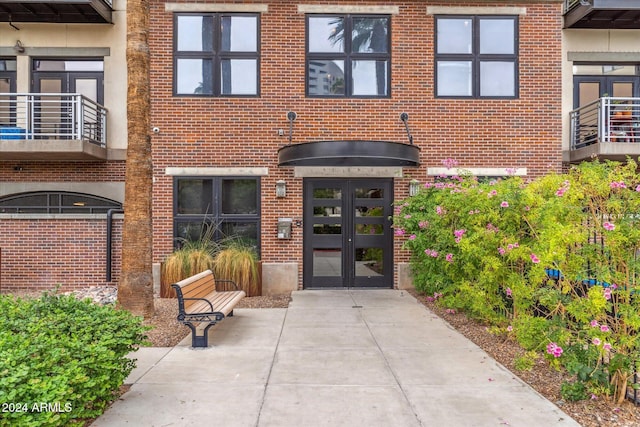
64	75
7	87
7	76
477	56
348	55
216	54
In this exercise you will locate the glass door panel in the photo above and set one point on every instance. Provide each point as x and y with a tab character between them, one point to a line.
347	235
327	263
53	114
588	92
369	263
372	242
7	110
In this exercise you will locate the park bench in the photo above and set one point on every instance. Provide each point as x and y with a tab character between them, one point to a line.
204	300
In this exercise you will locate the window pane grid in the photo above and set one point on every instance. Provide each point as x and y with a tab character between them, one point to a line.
357	65
216	54
231	205
476	56
54	202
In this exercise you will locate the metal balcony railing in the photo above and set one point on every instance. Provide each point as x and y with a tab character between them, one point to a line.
570	4
42	116
606	120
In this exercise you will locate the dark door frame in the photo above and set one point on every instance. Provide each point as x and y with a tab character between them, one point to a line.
606	85
352	244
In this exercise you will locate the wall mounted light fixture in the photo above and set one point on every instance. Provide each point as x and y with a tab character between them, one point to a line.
281	188
404	118
414	187
291	116
18	47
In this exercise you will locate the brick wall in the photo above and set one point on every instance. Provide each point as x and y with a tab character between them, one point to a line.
201	132
234	132
40	254
62	171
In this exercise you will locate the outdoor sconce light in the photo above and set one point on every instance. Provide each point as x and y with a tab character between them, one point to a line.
404	118
18	47
281	188
291	116
414	187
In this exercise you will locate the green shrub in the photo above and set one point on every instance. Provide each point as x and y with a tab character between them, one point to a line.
531	332
574	391
62	360
526	362
556	257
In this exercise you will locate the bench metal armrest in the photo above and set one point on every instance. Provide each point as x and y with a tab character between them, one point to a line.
200	299
225	282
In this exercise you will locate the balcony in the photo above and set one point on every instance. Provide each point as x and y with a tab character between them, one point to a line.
608	128
57	11
46	126
602	14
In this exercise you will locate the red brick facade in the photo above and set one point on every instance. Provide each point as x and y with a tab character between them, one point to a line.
42	254
243	132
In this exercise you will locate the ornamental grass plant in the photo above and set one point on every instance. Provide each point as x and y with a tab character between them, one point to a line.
192	257
554	261
239	262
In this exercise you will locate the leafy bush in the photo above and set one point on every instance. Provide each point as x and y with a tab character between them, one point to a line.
531	332
526	362
62	360
558	258
573	391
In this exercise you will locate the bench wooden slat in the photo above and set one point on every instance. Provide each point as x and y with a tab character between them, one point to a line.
199	288
222	302
198	301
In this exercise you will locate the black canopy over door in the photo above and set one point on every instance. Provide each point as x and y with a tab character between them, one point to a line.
347	233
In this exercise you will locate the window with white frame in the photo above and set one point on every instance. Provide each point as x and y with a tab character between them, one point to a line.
216	54
476	56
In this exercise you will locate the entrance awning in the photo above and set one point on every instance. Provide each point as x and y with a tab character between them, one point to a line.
349	153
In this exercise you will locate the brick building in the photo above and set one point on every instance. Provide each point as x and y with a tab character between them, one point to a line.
295	125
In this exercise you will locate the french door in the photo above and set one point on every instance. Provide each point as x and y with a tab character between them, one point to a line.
347	233
590	88
54	113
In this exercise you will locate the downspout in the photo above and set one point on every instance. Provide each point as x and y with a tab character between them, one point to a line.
110	213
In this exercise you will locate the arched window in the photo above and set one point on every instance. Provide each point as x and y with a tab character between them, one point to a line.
56	202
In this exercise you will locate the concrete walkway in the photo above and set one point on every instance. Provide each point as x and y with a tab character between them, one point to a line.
333	358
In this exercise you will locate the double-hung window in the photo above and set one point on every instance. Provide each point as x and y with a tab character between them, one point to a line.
217	208
476	56
216	54
348	55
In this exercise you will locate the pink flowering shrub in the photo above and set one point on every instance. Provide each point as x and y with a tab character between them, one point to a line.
550	257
